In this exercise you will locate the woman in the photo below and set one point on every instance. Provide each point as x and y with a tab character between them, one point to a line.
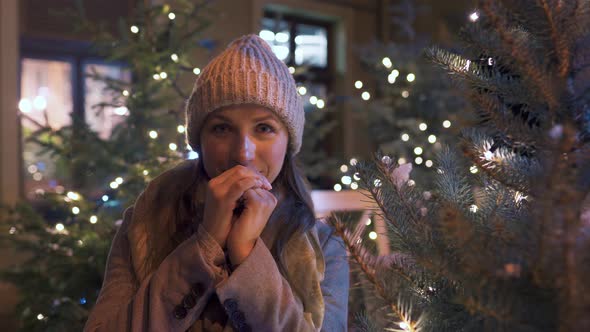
230	242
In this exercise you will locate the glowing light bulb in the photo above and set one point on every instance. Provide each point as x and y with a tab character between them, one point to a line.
473	169
372	235
75	210
163	75
447	124
432	139
411	77
134	29
386	62
119	180
358	84
428	163
292	70
473	17
366	95
172	146
344	168
59	227
418	160
153	134
302	90
171	16
405	137
337	187
174	57
346	180
25	105
354	186
313	100
180	129
196	71
423	126
125	93
320	103
418	150
93	219
405	94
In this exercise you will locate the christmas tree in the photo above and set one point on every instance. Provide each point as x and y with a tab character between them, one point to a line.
502	239
66	231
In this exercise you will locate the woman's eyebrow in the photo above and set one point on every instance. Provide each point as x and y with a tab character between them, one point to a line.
264	118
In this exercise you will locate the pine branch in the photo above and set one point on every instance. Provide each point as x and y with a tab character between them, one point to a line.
560	43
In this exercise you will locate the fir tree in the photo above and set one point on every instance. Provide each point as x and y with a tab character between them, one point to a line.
503	241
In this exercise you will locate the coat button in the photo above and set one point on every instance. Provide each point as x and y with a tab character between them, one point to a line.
230	305
179	312
197	290
189	301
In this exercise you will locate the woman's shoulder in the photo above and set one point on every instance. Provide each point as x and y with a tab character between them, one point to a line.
324	231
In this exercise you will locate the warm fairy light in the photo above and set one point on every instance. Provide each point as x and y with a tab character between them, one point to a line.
405	94
180	129
405	137
302	90
32	169
40	316
292	70
171	16
473	16
172	146
447	124
163	75
386	62
157	77
473	208
354	186
428	163
145	172
358	84
411	77
337	187
386	160
369	221
134	29
401	161
75	210
320	103
73	195
395	73
93	219
37	176
391	79
418	160
196	71
432	139
473	169
366	95
356	176
423	126
353	162
344	168
40	103
153	134
25	105
377	183
125	93
59	227
313	100
372	235
119	180
105	198
418	150
114	185
174	57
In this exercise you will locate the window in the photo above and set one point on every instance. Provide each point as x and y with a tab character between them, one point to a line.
53	87
303	44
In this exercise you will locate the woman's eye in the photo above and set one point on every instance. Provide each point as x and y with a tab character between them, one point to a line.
219	128
264	128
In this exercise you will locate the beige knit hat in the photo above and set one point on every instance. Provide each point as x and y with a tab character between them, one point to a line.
246	72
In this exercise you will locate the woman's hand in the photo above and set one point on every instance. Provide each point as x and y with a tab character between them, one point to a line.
259	204
223	193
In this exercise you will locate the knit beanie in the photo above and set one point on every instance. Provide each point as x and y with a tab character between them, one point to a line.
246	72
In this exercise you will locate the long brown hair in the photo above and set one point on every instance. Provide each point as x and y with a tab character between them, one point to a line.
295	211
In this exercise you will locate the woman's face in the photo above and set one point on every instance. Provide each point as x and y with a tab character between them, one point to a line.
247	135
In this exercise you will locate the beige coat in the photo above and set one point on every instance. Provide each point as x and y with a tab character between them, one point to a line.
193	289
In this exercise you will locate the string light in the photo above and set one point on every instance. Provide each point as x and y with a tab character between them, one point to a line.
356	176
146	172
114	185
411	77
423	126
180	129
59	227
196	71
432	139
395	73
153	134
134	29
373	235
488	155
358	85
174	57
320	103
405	94
119	180
171	16
125	93
474	17
418	150
346	180
354	186
40	316
391	79
418	160
353	162
386	62
75	210
344	168
105	198
25	105
447	124
404	326
366	95
292	70
302	90
405	137
313	100
73	195
163	75
377	183
369	221
40	103
473	208
337	187
12	230
93	219
37	176
157	77
401	161
428	163
172	146
473	169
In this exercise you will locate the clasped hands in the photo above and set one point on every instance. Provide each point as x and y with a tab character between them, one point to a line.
237	232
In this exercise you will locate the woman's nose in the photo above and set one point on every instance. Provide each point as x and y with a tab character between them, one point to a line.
244	150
